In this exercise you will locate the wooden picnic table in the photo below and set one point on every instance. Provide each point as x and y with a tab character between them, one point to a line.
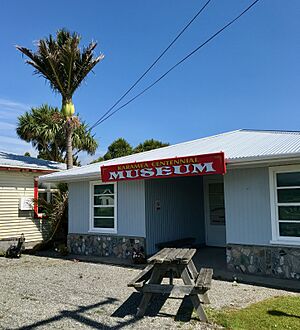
173	263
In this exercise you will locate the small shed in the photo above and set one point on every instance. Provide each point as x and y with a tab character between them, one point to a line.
251	209
18	188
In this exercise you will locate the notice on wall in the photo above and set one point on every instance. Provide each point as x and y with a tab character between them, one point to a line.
213	163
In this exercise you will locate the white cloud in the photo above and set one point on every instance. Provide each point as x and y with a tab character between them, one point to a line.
10	110
7	126
15	145
13	105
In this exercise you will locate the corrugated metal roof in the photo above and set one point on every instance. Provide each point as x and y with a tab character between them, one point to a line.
24	162
239	146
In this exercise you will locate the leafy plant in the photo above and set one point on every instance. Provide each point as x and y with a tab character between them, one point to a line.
44	128
64	65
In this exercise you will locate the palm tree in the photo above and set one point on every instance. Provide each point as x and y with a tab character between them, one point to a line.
44	128
65	66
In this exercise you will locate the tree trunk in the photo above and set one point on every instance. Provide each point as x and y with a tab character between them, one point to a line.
69	131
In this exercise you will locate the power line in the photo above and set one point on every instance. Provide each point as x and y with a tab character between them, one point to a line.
152	65
178	63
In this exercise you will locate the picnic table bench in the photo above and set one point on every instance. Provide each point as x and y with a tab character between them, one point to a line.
173	263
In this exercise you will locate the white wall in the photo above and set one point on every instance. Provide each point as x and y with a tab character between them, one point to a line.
131	208
247	206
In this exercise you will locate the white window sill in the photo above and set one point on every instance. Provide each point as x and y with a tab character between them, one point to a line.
285	242
101	231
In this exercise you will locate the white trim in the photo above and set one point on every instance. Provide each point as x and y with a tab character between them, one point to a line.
285	242
207	180
92	229
276	238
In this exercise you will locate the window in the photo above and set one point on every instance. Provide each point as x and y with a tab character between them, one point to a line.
103	207
43	192
285	197
216	203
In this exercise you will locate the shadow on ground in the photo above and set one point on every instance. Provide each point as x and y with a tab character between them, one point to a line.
128	308
280	313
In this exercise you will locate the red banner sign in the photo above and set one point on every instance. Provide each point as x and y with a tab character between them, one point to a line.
166	168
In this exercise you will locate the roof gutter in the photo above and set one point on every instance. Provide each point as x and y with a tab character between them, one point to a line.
230	163
259	160
26	169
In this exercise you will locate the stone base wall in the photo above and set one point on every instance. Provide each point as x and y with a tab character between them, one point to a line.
280	262
104	245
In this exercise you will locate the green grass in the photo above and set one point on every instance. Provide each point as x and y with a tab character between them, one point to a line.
276	313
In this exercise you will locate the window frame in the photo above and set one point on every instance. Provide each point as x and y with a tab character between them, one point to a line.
37	190
276	238
93	229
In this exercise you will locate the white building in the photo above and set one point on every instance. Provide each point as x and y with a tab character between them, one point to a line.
253	210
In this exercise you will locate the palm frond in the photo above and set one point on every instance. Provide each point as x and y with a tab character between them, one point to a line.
61	61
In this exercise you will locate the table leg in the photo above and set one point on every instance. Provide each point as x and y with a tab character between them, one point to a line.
194	297
155	278
204	298
193	270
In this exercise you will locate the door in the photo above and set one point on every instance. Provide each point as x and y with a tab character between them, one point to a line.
214	211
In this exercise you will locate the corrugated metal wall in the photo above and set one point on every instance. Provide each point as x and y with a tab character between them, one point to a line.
13	222
247	206
131	208
181	211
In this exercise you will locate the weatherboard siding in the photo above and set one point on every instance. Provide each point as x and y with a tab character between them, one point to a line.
247	206
13	222
79	203
181	212
130	208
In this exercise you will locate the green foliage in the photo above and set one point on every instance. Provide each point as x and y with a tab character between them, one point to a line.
44	128
27	154
64	65
61	61
275	313
121	147
118	148
149	145
56	211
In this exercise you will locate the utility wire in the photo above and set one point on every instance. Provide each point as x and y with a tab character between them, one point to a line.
151	66
178	63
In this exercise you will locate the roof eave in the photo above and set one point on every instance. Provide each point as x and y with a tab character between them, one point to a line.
282	158
27	169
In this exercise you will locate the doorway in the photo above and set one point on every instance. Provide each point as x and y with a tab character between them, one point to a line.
214	205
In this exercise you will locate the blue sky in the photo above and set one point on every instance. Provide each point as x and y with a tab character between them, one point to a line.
248	77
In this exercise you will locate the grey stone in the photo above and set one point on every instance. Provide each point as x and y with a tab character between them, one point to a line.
262	260
104	245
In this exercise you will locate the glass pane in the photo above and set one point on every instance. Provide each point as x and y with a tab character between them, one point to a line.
42	196
104	189
104	211
289	229
288	179
103	200
216	204
288	195
103	222
289	212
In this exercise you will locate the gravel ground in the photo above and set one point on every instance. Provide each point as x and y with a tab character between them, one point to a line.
48	293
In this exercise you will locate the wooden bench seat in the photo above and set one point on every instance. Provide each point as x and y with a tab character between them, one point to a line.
186	242
139	281
173	263
204	279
